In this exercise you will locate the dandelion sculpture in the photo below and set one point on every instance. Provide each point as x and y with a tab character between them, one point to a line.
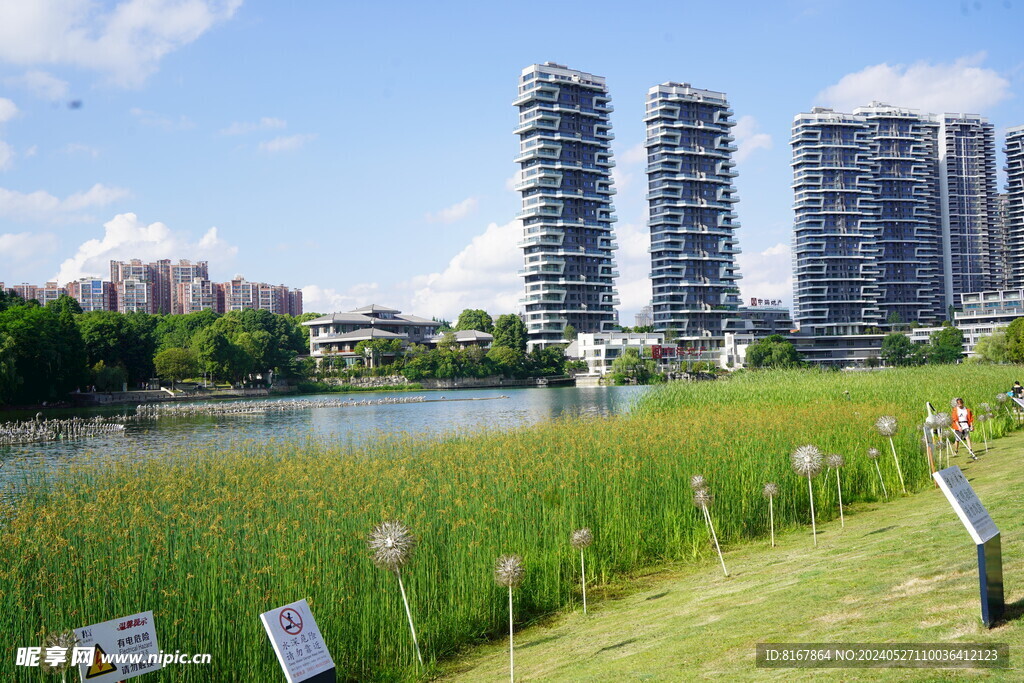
835	461
886	426
930	428
509	572
985	417
1002	399
61	640
981	419
702	498
769	491
807	463
873	454
943	422
581	539
392	544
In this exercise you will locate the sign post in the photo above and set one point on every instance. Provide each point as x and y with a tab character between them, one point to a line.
123	648
298	644
983	531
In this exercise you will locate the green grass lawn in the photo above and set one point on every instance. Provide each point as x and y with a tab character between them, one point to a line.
900	572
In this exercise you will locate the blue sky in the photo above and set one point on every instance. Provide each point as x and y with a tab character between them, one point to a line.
363	151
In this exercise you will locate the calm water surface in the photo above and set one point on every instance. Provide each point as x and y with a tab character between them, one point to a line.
353	425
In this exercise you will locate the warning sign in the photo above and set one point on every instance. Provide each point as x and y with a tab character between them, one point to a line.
291	621
99	666
125	648
297	642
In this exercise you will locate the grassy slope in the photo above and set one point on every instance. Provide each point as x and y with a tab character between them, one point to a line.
902	572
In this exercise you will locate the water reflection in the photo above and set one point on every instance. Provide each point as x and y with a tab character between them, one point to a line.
501	409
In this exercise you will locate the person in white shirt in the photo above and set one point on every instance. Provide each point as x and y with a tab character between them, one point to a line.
963	423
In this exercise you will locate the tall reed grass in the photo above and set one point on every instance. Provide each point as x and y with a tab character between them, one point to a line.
209	539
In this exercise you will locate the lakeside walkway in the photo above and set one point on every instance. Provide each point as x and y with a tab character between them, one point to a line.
899	572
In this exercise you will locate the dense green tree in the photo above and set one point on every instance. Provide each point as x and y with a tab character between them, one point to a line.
545	361
476	361
176	331
65	305
569	333
128	340
946	346
217	356
1015	341
43	357
9	378
176	364
304	329
8	299
110	348
898	350
992	348
510	332
630	366
474	319
108	377
506	360
774	351
270	342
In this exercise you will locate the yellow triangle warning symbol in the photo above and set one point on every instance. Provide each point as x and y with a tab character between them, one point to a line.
99	667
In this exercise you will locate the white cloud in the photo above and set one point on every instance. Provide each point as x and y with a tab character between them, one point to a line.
41	84
126	237
633	262
482	275
8	110
265	123
167	123
6	156
512	181
326	300
766	274
31	151
125	42
22	253
76	148
634	155
748	139
963	86
285	143
43	206
455	212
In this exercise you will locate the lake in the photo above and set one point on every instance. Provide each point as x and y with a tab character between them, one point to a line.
504	408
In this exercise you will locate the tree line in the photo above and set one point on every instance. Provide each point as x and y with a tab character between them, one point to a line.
49	351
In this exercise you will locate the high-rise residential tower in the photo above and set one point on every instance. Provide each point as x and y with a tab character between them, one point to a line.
692	223
834	233
163	275
1014	217
867	239
907	203
565	181
973	237
92	293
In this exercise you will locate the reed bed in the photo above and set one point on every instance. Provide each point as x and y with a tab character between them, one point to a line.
209	539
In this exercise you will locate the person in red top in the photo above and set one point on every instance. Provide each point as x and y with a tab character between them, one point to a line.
963	423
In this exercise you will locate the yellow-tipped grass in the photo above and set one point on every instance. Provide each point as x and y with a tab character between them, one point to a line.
208	539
